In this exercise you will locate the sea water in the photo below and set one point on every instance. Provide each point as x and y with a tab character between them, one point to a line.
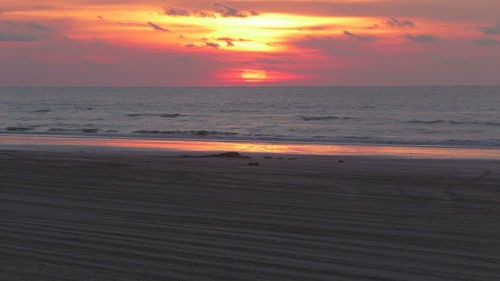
422	116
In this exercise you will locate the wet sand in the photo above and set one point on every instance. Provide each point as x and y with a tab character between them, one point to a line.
113	215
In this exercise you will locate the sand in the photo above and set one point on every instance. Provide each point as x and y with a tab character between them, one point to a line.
97	215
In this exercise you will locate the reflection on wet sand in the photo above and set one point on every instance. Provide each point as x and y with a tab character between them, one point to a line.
260	147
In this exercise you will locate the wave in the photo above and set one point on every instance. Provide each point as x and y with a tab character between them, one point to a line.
83	130
89	130
191	132
324	118
41	111
18	129
163	115
425	121
55	130
479	123
360	140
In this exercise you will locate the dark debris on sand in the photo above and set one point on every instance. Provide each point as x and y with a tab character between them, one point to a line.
231	154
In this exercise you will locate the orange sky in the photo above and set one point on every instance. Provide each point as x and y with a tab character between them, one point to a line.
246	43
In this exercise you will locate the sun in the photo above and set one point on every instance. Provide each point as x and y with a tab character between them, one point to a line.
253	75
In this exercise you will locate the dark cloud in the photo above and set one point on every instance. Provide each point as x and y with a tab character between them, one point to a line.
486	42
229	41
32	25
491	30
358	37
35	25
317	27
422	38
227	11
9	22
204	14
221	9
157	27
394	22
5	37
212	45
207	44
176	12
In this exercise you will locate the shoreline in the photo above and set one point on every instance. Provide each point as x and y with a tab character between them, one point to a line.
132	137
27	141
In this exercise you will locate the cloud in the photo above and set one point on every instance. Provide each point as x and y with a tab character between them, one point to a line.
4	37
358	37
212	45
176	12
486	42
229	41
157	27
422	38
491	30
32	25
220	9
35	25
227	11
394	22
9	22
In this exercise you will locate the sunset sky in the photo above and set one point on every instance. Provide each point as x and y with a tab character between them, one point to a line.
248	43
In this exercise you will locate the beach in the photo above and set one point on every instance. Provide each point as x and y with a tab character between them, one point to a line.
123	214
329	140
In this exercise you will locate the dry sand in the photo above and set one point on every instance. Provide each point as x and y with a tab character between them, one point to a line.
154	216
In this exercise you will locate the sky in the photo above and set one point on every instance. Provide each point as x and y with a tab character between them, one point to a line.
249	43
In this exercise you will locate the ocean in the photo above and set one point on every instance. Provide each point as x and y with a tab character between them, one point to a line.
416	116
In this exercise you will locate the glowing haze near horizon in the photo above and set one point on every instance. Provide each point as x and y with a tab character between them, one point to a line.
247	43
